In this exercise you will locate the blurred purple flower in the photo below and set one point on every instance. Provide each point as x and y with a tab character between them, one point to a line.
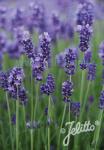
101	105
91	71
49	87
67	90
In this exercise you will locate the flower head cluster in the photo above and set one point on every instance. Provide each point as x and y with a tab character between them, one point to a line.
11	82
49	87
86	60
45	45
85	19
60	59
4	80
27	44
38	66
3	19
85	35
91	71
101	52
18	18
70	58
102	100
85	15
75	108
67	90
37	17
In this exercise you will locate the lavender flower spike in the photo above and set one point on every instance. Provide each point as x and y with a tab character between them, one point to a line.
102	100
91	71
67	90
45	45
101	52
49	87
27	44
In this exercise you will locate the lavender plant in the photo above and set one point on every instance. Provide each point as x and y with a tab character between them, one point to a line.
51	76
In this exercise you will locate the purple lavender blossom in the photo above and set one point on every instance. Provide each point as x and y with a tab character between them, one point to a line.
45	45
101	105
85	19
4	80
3	17
85	35
91	71
15	78
14	49
60	59
103	76
67	89
75	108
88	56
49	87
37	17
70	58
38	66
27	44
101	52
18	18
85	14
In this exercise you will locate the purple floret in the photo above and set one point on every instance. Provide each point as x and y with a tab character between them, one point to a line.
49	87
67	90
101	105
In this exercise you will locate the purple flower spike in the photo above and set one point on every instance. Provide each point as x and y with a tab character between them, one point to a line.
75	108
4	80
85	19
67	90
45	45
15	77
102	100
60	58
85	35
38	66
85	14
101	52
88	56
91	71
49	87
70	58
27	44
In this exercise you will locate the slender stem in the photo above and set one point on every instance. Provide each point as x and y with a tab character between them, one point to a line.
97	131
31	131
24	117
82	86
36	102
85	100
81	115
63	117
49	126
17	127
9	115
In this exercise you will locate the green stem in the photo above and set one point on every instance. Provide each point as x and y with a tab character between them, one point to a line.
24	116
63	117
17	127
36	102
49	126
97	131
32	109
76	141
82	86
9	116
